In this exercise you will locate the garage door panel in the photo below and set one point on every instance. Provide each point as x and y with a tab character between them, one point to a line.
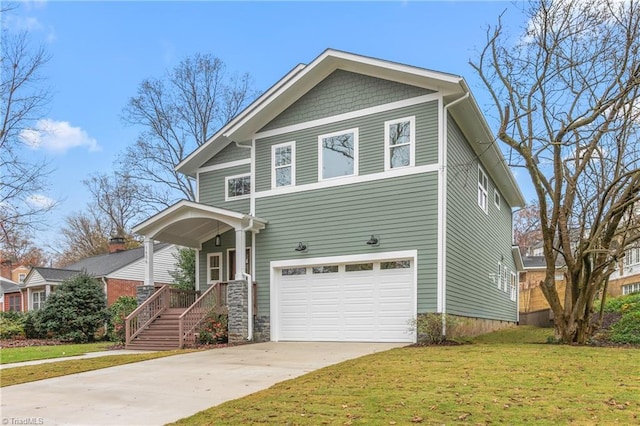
370	305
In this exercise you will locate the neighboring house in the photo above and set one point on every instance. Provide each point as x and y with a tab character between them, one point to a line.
121	272
534	308
10	296
626	279
358	193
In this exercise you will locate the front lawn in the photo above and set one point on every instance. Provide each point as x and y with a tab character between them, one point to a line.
31	353
504	378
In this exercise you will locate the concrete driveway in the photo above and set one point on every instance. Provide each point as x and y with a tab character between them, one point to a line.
167	389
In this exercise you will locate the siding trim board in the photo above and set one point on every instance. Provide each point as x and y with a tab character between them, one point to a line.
224	165
349	180
350	115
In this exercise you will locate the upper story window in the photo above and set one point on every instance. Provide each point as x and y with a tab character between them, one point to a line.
496	198
283	169
237	186
399	143
483	185
21	277
632	256
338	154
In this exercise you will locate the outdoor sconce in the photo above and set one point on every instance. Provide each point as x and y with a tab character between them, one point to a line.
217	241
301	247
373	241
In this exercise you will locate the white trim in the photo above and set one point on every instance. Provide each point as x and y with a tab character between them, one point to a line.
355	153
350	115
238	197
292	164
226	165
442	207
496	198
483	188
354	258
329	183
197	286
411	143
209	256
252	202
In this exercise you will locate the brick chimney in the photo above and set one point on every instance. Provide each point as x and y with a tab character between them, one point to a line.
5	269
116	244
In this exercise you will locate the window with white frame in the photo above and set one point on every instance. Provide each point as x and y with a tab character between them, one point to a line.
499	277
632	256
483	185
505	279
338	154
514	283
630	288
283	169
399	143
214	267
21	277
37	299
496	199
238	186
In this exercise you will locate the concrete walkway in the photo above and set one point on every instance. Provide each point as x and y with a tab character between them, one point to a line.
87	355
164	390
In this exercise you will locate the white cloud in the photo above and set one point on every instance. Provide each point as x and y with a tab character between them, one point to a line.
40	201
57	137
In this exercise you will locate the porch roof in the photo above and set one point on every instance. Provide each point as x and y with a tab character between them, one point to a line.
190	224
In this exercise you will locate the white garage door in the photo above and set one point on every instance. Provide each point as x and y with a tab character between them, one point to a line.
366	301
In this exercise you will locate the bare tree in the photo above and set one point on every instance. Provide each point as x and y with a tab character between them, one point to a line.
84	234
179	112
117	198
22	250
23	100
526	228
567	97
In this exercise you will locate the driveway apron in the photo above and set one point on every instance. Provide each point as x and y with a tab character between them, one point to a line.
164	390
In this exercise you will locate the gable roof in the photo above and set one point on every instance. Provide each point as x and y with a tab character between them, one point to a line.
303	78
104	264
52	274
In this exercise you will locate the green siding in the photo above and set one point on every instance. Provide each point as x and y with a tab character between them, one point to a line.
370	145
476	242
229	153
212	189
228	241
401	211
341	92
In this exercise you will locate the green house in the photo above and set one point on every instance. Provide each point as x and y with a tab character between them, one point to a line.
356	193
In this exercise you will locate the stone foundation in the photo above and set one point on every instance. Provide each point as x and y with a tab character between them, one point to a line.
262	328
143	292
237	300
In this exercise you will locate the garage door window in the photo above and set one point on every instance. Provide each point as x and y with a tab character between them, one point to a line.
294	271
398	264
327	269
359	267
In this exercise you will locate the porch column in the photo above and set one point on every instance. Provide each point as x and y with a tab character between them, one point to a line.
148	261
241	253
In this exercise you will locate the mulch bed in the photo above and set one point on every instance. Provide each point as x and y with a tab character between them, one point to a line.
21	343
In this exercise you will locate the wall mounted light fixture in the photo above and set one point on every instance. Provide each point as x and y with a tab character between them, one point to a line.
217	241
373	241
301	246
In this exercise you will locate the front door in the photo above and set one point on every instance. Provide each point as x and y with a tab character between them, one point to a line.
231	266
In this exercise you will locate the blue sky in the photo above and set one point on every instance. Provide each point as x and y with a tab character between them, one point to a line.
101	51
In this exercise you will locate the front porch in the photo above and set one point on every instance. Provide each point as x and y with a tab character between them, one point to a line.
195	225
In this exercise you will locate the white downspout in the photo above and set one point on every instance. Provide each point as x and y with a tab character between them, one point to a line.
442	229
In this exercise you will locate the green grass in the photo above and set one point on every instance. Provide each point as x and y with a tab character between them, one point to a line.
502	378
31	353
32	373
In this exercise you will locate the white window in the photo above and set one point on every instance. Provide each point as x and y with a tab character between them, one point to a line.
496	198
214	267
399	143
499	275
338	154
514	283
283	168
505	279
630	288
21	277
37	300
237	186
483	184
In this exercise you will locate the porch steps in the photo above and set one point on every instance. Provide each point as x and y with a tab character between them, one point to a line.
162	334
